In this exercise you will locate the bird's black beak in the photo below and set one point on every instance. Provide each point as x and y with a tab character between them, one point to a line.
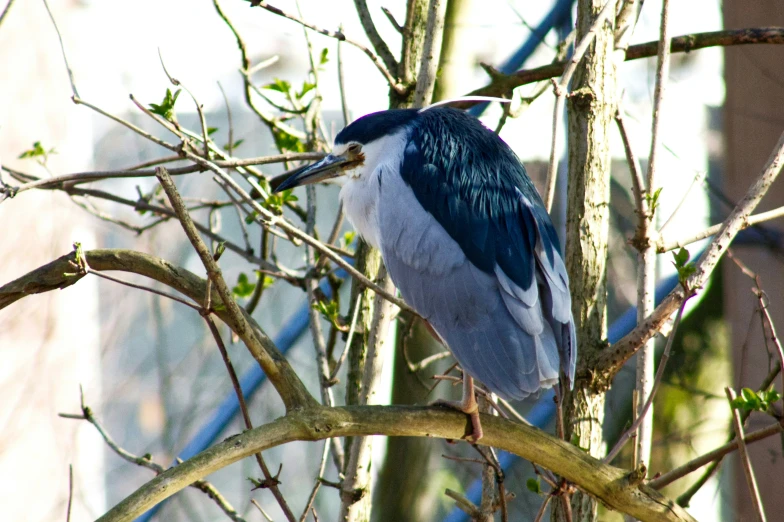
330	167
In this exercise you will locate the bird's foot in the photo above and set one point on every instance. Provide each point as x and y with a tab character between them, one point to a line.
473	413
469	406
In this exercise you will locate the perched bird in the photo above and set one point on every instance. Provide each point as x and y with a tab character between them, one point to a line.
466	240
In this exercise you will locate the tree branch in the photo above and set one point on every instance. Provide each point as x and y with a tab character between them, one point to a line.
681	44
62	273
695	464
610	484
393	82
607	363
372	33
286	382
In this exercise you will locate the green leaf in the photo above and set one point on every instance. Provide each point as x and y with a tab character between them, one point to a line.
166	108
681	257
234	145
278	85
243	288
221	248
306	88
653	199
749	400
329	310
268	281
682	265
348	238
287	142
38	151
324	56
250	218
211	130
533	485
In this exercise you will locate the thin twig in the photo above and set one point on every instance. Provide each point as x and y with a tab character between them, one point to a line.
6	10
543	508
270	482
90	176
288	385
342	87
393	83
610	360
146	461
372	33
70	483
712	456
646	280
349	339
744	458
560	89
698	179
142	287
663	246
654	388
762	297
638	184
261	510
62	46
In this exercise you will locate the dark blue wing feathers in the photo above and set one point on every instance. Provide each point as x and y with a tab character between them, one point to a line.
474	185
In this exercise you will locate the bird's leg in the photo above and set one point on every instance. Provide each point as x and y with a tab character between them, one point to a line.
469	406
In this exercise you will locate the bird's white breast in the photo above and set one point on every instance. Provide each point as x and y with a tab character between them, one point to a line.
362	189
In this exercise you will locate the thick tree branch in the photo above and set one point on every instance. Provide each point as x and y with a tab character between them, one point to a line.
606	364
610	484
63	272
288	385
681	44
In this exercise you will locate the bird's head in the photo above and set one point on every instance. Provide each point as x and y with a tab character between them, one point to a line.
358	149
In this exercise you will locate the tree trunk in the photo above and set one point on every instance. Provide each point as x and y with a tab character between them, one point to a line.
590	112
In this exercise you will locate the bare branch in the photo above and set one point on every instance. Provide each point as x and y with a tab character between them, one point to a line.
87	177
393	82
712	456
286	382
654	388
646	257
62	46
744	458
6	9
610	360
681	44
270	481
607	483
372	33
146	462
666	246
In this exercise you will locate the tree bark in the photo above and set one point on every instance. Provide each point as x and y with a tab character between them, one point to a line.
590	113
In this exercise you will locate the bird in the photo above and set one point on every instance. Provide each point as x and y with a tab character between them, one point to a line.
465	238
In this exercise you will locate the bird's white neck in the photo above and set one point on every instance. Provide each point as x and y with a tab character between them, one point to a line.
362	187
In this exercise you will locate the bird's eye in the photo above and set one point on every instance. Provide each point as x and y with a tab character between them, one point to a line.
354	148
